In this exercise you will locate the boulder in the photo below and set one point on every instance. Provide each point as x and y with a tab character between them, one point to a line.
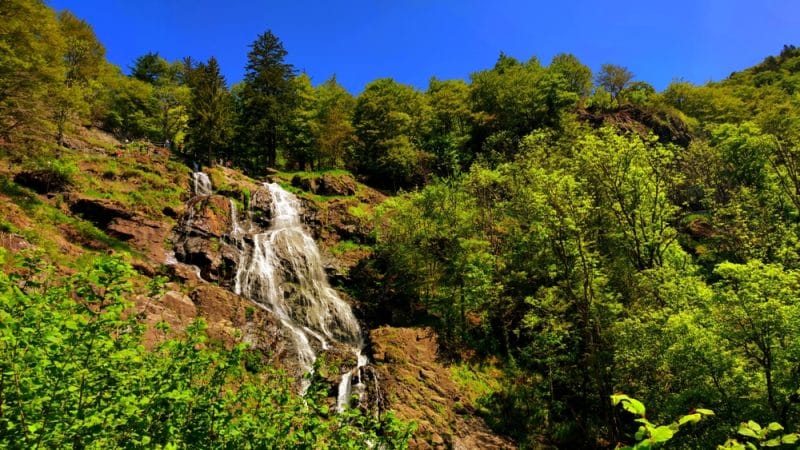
326	184
343	185
261	207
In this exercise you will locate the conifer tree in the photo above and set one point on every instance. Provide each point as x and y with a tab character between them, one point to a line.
210	111
267	97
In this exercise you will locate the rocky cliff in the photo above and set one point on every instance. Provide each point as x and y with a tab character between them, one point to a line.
139	203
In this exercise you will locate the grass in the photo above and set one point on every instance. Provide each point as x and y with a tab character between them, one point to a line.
348	246
476	381
143	186
313	174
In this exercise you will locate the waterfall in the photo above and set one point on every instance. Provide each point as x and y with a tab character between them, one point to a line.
282	270
202	184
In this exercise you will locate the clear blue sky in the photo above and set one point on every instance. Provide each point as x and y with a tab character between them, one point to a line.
412	40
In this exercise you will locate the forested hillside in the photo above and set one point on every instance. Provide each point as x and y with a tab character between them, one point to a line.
570	238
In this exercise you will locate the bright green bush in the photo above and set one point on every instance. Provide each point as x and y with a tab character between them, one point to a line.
74	373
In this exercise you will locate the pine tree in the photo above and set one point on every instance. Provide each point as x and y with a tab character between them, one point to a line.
268	97
210	112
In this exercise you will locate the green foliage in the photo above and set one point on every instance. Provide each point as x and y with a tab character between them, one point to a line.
650	435
335	133
390	120
31	68
266	99
302	128
513	99
577	75
752	431
210	113
558	229
75	373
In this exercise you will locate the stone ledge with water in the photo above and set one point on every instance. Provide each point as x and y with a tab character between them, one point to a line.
266	254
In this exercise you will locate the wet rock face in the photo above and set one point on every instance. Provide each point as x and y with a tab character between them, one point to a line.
202	237
261	207
200	240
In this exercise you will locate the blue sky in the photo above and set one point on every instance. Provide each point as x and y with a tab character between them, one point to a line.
413	40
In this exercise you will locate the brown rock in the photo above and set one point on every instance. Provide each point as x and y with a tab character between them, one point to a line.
14	242
116	220
185	272
232	319
261	207
200	238
208	216
179	304
418	386
306	184
343	185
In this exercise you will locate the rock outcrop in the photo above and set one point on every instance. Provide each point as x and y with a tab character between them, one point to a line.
641	120
327	184
43	181
419	387
143	234
200	238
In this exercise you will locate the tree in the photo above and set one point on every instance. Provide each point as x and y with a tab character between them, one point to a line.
31	67
84	59
335	132
390	121
150	68
513	99
451	124
268	96
210	113
630	178
614	79
577	75
757	312
169	92
301	129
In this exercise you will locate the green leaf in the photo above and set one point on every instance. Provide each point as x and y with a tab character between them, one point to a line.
705	412
744	430
689	418
790	438
662	434
775	426
629	404
772	442
753	425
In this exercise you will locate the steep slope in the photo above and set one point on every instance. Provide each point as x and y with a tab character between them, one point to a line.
136	201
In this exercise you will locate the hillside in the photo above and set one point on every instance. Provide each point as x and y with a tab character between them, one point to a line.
132	202
540	256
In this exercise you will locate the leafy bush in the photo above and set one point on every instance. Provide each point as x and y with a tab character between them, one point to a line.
75	374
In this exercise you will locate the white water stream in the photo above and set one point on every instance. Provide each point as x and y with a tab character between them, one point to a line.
282	270
202	184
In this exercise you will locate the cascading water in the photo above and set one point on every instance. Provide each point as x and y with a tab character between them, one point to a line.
282	270
202	184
